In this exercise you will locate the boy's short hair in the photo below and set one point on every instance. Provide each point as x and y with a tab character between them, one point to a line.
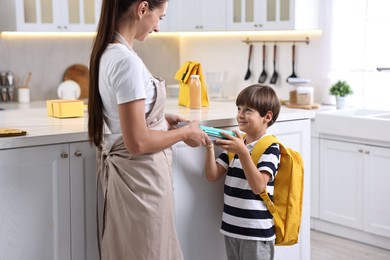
263	98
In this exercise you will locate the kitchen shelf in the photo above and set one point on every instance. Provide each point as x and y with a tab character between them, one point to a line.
306	40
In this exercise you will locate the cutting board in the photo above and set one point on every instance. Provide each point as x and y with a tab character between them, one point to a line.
294	105
80	74
8	132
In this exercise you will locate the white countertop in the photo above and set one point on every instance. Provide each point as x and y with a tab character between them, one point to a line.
42	129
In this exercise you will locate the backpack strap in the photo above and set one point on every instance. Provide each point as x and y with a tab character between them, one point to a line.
264	195
259	148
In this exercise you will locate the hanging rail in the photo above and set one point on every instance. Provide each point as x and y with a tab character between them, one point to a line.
380	69
307	41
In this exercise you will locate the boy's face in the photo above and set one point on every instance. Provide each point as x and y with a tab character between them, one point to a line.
251	122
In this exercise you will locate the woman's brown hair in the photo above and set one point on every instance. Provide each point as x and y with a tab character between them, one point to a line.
111	12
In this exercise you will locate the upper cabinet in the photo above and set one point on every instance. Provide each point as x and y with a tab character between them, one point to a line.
49	15
182	16
249	15
201	15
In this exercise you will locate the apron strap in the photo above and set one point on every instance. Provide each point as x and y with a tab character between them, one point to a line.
101	156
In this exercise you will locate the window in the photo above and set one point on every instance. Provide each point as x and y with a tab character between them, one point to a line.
357	45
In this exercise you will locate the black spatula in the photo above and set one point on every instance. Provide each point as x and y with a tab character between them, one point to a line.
248	72
275	75
293	63
263	75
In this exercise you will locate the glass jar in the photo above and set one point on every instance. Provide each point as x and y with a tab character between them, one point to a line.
305	95
195	92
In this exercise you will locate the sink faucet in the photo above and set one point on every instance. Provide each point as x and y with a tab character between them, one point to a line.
381	69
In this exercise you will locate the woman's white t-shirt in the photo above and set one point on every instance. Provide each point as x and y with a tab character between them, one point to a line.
123	77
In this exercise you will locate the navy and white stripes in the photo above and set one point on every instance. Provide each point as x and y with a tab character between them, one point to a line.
245	215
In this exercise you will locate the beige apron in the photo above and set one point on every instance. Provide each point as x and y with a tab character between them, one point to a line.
138	214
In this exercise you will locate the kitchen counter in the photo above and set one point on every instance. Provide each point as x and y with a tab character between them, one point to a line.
42	129
62	164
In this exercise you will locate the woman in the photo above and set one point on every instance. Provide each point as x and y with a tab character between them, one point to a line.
128	125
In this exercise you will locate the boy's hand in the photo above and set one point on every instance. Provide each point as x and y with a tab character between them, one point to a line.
209	143
231	143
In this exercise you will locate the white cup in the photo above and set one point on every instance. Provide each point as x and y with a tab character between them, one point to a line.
23	95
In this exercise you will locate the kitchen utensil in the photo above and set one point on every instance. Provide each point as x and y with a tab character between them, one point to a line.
69	89
27	80
275	75
10	78
263	75
3	78
293	63
248	72
80	74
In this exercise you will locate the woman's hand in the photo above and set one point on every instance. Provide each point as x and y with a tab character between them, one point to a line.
195	136
173	119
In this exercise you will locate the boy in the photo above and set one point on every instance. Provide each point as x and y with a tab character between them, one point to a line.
246	222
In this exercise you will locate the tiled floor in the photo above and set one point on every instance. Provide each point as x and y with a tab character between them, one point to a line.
326	247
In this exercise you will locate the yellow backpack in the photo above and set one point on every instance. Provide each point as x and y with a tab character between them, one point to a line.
286	207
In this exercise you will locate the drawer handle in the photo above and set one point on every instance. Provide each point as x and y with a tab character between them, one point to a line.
78	154
64	155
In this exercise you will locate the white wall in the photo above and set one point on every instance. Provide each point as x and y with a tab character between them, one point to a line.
229	53
48	56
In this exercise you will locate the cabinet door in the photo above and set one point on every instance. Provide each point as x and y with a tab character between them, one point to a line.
198	205
35	204
376	190
37	15
54	16
83	201
246	14
315	176
203	15
341	178
279	14
79	15
296	135
272	14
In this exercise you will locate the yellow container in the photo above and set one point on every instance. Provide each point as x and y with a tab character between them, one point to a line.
63	108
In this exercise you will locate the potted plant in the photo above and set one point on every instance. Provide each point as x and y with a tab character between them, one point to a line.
340	89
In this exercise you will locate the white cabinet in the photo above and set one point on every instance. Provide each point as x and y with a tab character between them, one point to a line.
341	178
47	209
83	201
376	214
272	14
201	15
35	203
314	172
296	135
49	15
199	203
354	189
